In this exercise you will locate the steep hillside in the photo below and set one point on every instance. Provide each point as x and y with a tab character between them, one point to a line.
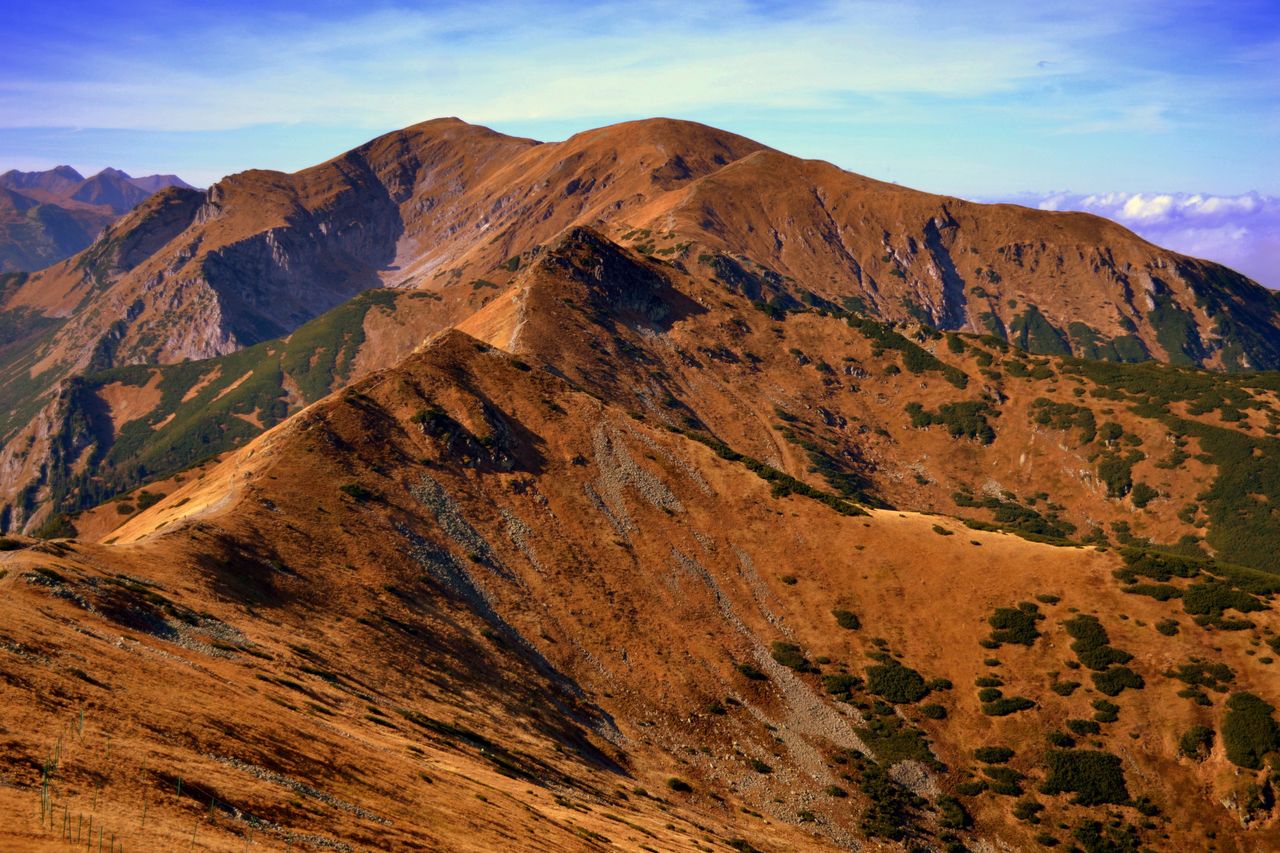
480	599
910	417
109	430
454	210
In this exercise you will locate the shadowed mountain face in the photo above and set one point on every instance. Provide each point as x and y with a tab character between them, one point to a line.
651	488
51	215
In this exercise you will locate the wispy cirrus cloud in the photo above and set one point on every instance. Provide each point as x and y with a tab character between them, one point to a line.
963	97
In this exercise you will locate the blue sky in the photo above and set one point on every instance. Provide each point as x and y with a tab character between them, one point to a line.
1054	100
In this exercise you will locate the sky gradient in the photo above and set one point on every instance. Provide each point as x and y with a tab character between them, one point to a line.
1086	104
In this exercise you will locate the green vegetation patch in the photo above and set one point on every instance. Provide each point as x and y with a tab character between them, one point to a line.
1091	644
1015	624
1013	517
1065	416
1033	332
1196	743
891	739
1093	776
993	754
847	619
791	656
963	420
1249	730
1005	706
915	358
896	683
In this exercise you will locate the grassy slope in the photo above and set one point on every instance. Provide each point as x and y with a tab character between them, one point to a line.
467	561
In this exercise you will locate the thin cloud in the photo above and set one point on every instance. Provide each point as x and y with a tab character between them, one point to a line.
504	62
1241	231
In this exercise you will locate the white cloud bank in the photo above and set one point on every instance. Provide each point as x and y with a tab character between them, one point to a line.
1240	231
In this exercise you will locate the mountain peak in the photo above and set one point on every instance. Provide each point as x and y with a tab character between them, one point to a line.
110	172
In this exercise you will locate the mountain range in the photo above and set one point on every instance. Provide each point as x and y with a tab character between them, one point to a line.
48	216
651	489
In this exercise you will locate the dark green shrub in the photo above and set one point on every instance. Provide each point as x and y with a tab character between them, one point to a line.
971	788
759	766
1004	780
962	420
1064	688
1196	742
1028	810
897	683
1095	777
1094	837
1092	645
835	791
841	685
1007	706
751	672
1142	495
993	754
1061	740
1168	627
891	739
989	694
1201	673
357	492
1015	625
1083	727
1158	591
951	813
1106	712
847	619
891	809
988	681
789	580
1249	731
934	711
1214	597
679	785
791	656
1116	679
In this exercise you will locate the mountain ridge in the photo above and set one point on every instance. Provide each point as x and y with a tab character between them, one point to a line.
624	578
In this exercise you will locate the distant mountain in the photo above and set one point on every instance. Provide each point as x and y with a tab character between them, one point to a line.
155	183
50	215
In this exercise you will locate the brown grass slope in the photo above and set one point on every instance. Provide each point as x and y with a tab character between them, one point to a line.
484	598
